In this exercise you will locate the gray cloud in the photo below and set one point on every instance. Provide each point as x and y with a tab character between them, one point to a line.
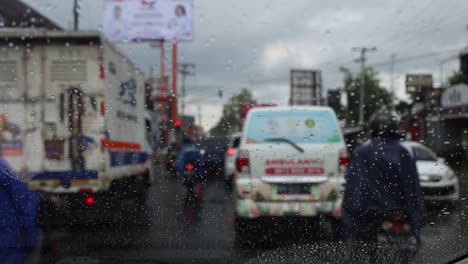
255	43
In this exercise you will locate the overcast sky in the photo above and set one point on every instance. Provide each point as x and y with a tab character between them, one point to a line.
254	45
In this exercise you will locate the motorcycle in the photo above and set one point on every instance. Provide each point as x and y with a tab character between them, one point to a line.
389	238
194	183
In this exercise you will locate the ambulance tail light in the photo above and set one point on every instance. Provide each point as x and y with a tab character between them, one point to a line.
231	151
243	162
344	160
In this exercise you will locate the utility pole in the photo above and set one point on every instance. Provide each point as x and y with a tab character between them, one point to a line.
362	60
185	69
392	72
200	115
76	15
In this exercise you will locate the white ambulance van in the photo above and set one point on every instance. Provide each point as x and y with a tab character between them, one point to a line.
290	164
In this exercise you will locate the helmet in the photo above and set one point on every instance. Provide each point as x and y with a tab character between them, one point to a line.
187	140
384	125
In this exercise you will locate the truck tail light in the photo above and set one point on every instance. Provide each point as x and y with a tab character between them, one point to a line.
101	72
89	200
343	160
103	108
242	162
189	167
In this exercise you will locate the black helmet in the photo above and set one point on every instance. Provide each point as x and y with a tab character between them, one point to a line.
384	125
187	140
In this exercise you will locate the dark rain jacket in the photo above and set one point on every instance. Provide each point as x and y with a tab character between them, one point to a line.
18	217
190	153
382	177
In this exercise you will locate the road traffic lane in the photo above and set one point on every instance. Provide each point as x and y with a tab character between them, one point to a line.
167	229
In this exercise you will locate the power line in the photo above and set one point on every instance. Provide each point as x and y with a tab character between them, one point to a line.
412	58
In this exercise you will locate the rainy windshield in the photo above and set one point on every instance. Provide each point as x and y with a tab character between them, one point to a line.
266	131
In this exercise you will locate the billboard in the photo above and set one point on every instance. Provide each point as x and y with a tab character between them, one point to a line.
306	87
147	20
414	82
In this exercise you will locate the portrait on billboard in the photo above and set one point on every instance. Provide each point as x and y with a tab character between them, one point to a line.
115	24
147	20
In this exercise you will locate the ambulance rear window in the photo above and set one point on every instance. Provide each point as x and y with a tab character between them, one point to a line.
297	126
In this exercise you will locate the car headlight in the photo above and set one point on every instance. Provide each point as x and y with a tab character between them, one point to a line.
450	175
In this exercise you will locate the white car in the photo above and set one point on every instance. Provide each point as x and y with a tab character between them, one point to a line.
438	181
230	157
290	163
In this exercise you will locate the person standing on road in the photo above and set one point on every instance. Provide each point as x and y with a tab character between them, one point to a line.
382	177
18	217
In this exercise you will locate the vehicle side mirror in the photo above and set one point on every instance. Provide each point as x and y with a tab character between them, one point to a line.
440	160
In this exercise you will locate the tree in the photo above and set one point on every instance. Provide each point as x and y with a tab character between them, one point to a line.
456	78
230	121
375	96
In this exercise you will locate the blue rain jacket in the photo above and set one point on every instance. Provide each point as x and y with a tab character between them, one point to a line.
18	217
189	154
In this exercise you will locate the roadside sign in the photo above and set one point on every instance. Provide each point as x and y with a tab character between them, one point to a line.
415	82
147	20
306	87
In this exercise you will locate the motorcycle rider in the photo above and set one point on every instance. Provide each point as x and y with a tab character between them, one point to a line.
189	155
382	177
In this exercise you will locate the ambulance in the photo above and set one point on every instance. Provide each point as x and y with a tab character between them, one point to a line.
291	163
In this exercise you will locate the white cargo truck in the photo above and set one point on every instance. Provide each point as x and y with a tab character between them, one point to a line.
72	119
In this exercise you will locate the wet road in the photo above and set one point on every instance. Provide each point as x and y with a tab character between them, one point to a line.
168	231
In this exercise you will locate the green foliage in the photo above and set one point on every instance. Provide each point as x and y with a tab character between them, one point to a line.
231	120
456	78
375	96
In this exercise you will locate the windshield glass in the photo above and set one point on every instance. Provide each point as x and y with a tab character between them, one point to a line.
423	155
227	131
295	126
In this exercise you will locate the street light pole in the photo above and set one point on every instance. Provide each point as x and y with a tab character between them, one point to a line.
185	69
362	60
76	15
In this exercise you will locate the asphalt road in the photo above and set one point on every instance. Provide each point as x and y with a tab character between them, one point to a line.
168	231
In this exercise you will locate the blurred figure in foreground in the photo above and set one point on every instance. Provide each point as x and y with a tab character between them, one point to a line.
382	178
18	217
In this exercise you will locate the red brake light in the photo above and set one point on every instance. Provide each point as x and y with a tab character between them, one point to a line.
101	72
344	160
398	228
189	167
89	200
103	108
242	162
230	151
177	123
